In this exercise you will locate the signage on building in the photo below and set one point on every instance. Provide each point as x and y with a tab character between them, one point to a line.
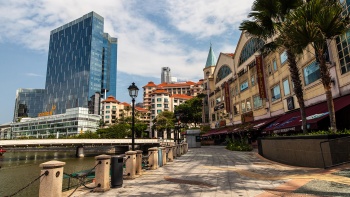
47	113
247	117
260	76
227	98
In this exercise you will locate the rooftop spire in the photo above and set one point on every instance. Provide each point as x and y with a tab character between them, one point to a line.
211	59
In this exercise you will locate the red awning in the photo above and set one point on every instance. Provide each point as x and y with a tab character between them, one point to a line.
292	121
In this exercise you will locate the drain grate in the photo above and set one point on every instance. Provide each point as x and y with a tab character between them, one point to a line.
190	182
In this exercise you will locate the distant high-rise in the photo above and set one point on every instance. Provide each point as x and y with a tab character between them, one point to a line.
29	103
82	65
166	75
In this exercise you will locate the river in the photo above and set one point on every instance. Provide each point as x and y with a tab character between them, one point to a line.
17	169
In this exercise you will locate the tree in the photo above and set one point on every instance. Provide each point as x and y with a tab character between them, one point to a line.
190	111
267	18
116	131
317	22
164	122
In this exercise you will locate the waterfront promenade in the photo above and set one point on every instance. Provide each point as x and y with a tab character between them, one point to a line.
214	171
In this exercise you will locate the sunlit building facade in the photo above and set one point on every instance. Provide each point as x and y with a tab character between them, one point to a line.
29	103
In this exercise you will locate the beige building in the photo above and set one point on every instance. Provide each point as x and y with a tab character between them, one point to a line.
113	111
242	94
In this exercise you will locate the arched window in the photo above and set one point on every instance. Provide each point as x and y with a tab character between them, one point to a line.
250	48
223	72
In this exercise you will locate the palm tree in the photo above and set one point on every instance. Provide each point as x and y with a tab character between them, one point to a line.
317	22
268	16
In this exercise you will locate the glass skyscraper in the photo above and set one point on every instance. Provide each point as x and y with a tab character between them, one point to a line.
82	64
29	103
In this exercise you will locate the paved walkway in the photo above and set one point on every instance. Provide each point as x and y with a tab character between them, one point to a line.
214	171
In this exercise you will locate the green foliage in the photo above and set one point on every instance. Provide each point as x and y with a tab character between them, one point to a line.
238	145
191	111
139	130
116	131
87	135
326	132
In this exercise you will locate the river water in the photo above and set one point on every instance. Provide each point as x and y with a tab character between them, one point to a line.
17	169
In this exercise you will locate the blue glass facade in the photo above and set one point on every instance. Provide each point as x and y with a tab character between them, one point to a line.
29	103
76	67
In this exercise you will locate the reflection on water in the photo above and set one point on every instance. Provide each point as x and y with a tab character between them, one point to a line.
17	169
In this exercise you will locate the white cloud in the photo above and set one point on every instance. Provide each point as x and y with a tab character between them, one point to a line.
145	43
33	75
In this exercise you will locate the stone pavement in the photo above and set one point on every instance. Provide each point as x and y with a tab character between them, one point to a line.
215	171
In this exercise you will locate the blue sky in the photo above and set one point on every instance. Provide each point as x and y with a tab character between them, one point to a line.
152	34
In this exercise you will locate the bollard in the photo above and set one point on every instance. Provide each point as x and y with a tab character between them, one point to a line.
181	149
153	158
163	155
174	151
170	153
79	152
117	163
186	147
139	162
51	184
102	173
178	151
130	164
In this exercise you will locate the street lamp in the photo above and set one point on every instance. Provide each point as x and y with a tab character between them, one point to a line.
177	128
133	90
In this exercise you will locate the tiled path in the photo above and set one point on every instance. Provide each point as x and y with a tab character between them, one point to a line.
215	171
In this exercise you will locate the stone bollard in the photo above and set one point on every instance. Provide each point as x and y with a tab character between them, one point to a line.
130	164
163	155
139	162
181	149
178	150
174	151
153	158
102	173
51	182
185	148
170	154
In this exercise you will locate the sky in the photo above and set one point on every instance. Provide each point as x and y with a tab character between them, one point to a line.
151	34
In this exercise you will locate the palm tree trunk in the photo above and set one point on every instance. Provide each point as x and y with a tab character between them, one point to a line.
298	88
326	81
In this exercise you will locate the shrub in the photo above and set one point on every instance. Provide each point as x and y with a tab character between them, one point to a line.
238	145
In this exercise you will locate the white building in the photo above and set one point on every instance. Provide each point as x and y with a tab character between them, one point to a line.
75	121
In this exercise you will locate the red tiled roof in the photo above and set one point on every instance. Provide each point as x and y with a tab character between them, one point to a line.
230	54
150	84
181	96
125	104
160	91
178	84
110	99
141	109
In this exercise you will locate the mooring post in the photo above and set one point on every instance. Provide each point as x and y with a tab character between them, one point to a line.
170	153
153	158
130	164
79	151
103	163
51	182
139	162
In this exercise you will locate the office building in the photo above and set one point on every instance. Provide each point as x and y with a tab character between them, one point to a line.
29	103
81	67
165	75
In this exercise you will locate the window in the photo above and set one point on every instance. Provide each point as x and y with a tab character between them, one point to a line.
159	111
166	106
250	48
175	101
107	112
283	57
152	100
311	73
243	107
166	100
236	109
218	100
286	87
107	107
159	105
213	117
244	85
275	93
249	106
223	72
159	99
274	63
343	43
114	107
257	101
107	117
253	80
153	105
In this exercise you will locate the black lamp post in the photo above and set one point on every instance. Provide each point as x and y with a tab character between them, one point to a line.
176	138
133	90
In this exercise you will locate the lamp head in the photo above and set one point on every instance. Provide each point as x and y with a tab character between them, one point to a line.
133	90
